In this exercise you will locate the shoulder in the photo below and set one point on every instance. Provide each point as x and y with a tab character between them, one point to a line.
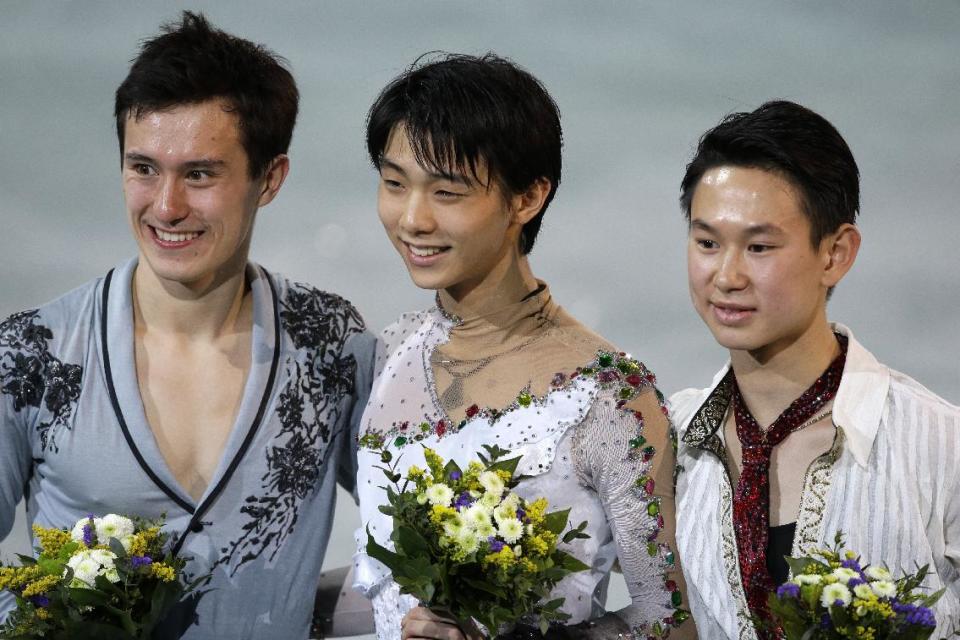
313	317
909	396
51	320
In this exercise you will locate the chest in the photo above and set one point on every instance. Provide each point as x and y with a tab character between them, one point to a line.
191	395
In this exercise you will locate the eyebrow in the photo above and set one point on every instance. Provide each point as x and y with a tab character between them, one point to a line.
752	230
188	166
436	175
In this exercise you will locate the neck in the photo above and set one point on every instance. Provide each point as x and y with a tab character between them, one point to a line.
187	312
770	381
508	283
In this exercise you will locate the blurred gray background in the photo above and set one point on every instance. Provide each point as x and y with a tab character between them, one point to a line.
637	83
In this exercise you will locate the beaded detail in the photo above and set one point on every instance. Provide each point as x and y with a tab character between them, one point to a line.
626	376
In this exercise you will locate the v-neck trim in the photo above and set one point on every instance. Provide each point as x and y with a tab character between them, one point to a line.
116	336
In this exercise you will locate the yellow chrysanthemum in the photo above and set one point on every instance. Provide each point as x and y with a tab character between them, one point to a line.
536	510
163	571
883	609
537	546
51	540
505	558
42	613
440	513
16	578
527	566
41	586
505	475
415	472
865	633
434	462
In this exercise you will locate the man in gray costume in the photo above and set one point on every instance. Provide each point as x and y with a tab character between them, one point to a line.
189	381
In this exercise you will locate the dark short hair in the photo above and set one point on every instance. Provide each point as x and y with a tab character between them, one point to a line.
794	142
191	62
461	111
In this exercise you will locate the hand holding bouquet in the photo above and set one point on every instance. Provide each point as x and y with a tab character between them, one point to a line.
468	547
833	596
108	578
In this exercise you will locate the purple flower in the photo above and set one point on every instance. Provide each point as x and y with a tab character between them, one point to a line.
825	621
921	617
854	582
40	601
140	561
788	590
88	534
455	475
521	515
495	545
852	564
463	501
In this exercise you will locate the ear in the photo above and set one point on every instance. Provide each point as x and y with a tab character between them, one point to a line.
273	179
840	250
528	204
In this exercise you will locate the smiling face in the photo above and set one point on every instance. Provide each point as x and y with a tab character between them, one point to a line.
754	276
452	230
189	196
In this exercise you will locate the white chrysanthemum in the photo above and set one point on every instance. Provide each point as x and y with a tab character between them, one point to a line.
466	540
877	573
833	592
485	530
113	526
492	482
440	494
511	530
452	526
504	512
511	500
87	564
863	591
844	575
518	551
489	500
884	588
77	533
422	498
808	578
476	515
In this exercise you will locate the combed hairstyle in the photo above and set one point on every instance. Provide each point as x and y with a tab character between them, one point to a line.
461	112
794	142
191	62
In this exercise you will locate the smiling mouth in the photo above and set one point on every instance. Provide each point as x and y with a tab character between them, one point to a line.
175	238
424	253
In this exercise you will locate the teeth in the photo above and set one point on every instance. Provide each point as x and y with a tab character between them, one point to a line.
425	251
176	237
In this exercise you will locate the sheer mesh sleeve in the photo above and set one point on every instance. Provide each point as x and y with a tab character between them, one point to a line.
625	451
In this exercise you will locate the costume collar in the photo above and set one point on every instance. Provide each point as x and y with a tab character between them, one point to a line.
857	407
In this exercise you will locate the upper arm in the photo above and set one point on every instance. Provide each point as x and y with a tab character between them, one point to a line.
362	348
21	392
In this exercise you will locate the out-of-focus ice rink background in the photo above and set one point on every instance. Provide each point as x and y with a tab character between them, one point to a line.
637	83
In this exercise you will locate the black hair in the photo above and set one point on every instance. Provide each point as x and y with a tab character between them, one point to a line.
191	62
794	142
461	111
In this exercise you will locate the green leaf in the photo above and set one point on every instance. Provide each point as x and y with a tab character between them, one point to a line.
409	541
117	548
381	553
88	597
556	521
505	465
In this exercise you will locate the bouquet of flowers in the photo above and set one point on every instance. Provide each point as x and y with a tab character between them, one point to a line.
834	596
470	548
108	578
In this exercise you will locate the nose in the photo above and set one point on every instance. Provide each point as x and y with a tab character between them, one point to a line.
417	215
730	274
171	202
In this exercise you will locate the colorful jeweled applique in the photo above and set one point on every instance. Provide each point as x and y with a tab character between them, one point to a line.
618	371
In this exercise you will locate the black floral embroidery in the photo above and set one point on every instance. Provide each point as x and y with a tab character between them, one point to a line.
30	373
308	408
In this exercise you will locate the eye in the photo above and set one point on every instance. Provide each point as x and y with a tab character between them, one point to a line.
759	248
391	185
443	194
142	169
704	243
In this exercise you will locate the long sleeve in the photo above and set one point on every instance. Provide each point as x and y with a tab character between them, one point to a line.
627	455
362	348
21	392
